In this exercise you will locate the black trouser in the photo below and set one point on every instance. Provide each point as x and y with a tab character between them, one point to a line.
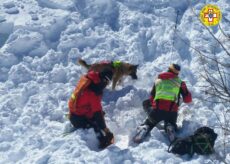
157	115
97	123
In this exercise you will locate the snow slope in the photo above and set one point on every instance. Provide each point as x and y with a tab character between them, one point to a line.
40	42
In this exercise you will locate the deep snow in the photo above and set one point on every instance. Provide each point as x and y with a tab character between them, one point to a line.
41	41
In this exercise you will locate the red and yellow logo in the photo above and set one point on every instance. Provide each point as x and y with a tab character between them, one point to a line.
210	15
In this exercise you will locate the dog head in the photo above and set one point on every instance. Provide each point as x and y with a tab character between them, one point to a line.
133	71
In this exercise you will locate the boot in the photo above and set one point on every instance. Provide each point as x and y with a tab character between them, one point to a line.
171	132
141	133
106	138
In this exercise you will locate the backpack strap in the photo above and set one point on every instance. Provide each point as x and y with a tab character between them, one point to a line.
204	146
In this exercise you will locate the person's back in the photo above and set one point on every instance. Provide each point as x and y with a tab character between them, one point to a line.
168	89
163	104
85	105
89	98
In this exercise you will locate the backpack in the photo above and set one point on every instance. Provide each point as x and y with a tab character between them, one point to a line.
201	142
204	140
81	85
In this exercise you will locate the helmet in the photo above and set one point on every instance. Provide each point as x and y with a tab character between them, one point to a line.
175	68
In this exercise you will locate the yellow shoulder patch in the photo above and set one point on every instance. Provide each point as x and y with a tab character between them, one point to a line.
210	15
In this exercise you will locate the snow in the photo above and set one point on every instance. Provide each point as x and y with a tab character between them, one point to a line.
9	5
12	10
41	41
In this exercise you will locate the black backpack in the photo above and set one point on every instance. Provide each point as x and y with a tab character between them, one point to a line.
202	142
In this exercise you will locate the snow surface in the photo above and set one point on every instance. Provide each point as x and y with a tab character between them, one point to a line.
41	41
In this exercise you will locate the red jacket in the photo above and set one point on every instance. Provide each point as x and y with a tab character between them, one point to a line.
168	105
88	102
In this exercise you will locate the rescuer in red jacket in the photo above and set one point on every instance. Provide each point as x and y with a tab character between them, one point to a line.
85	105
163	104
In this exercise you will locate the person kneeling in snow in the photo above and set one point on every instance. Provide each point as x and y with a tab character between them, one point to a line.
85	109
163	103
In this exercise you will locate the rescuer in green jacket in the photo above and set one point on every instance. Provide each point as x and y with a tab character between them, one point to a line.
163	104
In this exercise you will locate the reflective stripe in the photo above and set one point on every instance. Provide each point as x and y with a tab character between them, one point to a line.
168	89
73	97
166	93
176	82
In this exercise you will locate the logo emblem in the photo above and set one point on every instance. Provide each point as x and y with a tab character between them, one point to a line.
210	15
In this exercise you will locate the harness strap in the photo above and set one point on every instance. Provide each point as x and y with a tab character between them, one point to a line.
116	63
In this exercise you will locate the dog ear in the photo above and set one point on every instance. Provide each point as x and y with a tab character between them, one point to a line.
134	67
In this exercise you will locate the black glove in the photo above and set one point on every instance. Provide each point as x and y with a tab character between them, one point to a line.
146	104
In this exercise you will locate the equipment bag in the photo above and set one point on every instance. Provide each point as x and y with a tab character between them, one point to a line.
202	142
182	146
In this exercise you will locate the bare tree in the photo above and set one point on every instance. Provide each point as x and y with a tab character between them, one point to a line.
216	75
